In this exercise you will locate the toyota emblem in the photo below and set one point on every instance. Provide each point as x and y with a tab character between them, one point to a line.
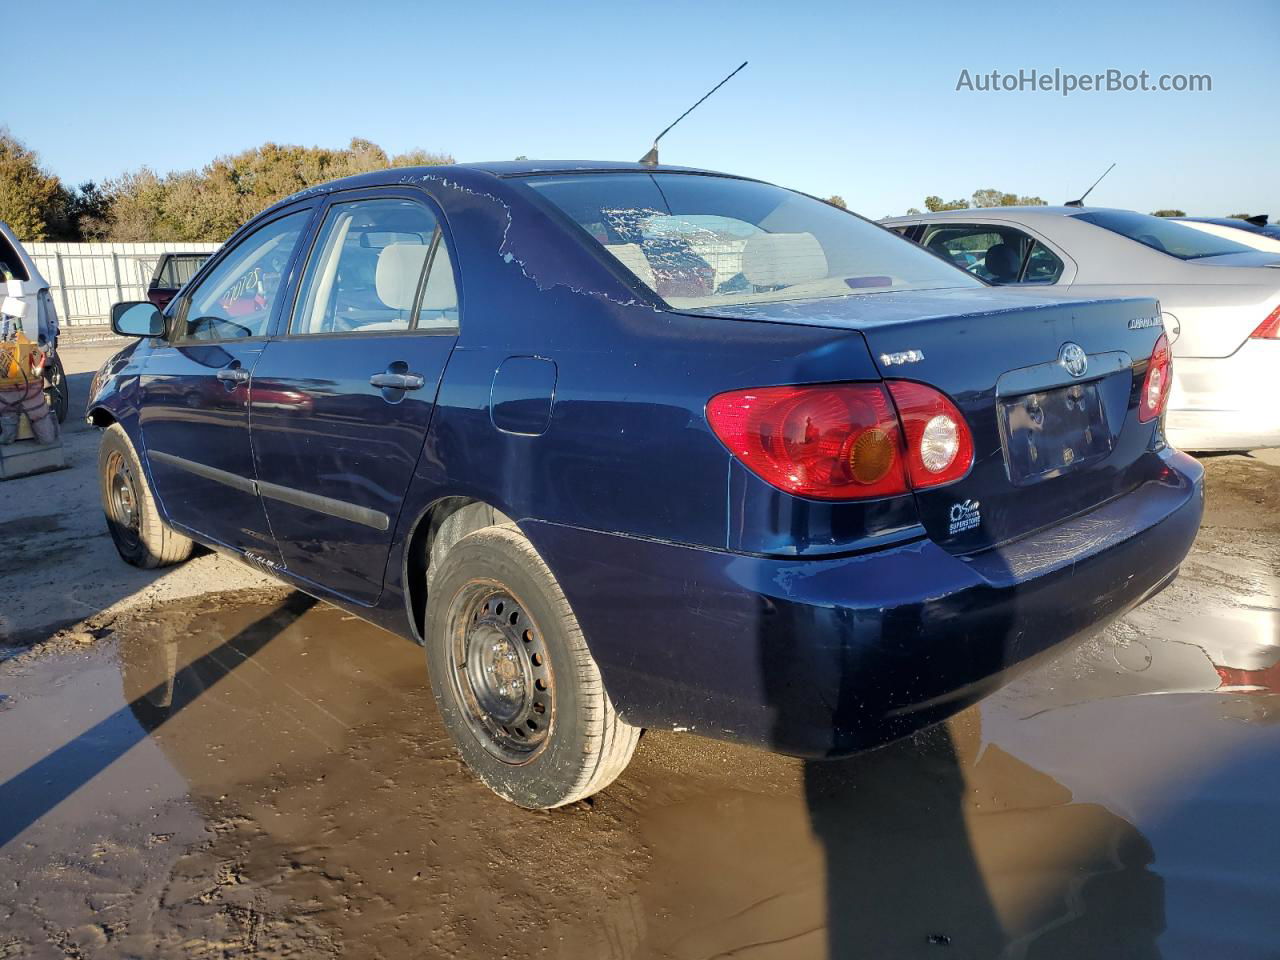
1073	359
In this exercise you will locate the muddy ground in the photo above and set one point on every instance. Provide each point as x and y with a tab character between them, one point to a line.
249	773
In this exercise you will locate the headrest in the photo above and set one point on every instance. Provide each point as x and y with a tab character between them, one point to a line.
1002	262
783	259
396	279
631	256
440	294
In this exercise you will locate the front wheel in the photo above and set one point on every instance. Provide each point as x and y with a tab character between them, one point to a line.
140	534
516	685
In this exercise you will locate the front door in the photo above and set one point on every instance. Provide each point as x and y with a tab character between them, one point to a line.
342	398
195	389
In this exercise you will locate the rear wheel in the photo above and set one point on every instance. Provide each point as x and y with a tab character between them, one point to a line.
133	518
516	685
56	390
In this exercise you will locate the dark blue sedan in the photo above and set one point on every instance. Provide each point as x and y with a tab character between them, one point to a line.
628	446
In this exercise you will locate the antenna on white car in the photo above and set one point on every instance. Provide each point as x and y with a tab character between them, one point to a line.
651	158
1080	202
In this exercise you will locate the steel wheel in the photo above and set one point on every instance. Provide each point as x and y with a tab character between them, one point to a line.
501	672
123	507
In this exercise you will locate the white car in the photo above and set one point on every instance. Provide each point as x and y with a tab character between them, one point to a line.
27	293
1220	299
1250	238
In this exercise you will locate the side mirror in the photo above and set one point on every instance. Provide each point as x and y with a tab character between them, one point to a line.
137	319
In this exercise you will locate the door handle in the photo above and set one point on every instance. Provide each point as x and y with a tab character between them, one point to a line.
233	374
398	381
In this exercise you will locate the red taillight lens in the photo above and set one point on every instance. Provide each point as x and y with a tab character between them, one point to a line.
1268	329
1156	384
939	444
834	442
844	441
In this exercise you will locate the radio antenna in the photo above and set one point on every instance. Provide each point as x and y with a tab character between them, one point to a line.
1080	202
651	158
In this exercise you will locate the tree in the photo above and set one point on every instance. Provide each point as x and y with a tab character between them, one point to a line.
934	204
837	201
32	200
1239	216
209	204
1168	213
997	198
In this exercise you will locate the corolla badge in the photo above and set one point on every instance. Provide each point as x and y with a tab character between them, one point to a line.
1142	323
1073	359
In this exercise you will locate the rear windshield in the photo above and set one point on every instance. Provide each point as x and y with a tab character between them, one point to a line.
705	241
1167	236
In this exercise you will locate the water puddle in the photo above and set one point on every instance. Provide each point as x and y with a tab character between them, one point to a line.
271	779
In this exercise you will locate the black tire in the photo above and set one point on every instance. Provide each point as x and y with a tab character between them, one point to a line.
56	389
133	518
516	685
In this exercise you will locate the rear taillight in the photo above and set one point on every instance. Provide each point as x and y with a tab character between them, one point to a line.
1155	385
939	445
1268	329
845	441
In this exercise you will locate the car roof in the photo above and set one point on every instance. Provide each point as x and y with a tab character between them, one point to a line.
501	169
523	168
1025	211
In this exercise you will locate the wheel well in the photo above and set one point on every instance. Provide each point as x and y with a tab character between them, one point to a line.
442	525
101	418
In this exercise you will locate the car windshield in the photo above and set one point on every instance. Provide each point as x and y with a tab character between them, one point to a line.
1167	236
706	241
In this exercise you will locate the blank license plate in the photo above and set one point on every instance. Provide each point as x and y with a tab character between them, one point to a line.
1047	434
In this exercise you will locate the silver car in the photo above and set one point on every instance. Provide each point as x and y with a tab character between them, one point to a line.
1220	299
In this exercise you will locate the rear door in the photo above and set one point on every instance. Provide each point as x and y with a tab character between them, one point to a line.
194	412
343	396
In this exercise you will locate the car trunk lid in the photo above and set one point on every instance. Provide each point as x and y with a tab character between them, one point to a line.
1049	442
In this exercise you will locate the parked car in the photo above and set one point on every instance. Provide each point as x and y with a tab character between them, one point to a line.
20	279
1241	231
1258	224
171	272
1220	299
628	446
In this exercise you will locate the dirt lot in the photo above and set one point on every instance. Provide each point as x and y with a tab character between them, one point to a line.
197	764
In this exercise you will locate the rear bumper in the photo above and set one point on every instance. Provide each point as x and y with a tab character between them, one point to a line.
1226	403
825	657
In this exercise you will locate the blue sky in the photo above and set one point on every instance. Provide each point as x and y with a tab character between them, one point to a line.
854	99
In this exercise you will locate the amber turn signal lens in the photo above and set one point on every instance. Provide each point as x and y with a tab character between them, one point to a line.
871	455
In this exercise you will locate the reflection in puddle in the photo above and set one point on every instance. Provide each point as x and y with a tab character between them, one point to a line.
272	778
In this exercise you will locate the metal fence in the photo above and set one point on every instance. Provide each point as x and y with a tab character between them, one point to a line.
85	279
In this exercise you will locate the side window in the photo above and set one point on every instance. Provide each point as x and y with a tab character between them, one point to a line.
366	270
997	254
11	267
178	269
1043	266
236	299
439	310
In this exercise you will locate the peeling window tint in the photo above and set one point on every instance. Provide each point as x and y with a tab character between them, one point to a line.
703	241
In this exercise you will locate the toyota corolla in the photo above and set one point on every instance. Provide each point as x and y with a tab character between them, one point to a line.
631	446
